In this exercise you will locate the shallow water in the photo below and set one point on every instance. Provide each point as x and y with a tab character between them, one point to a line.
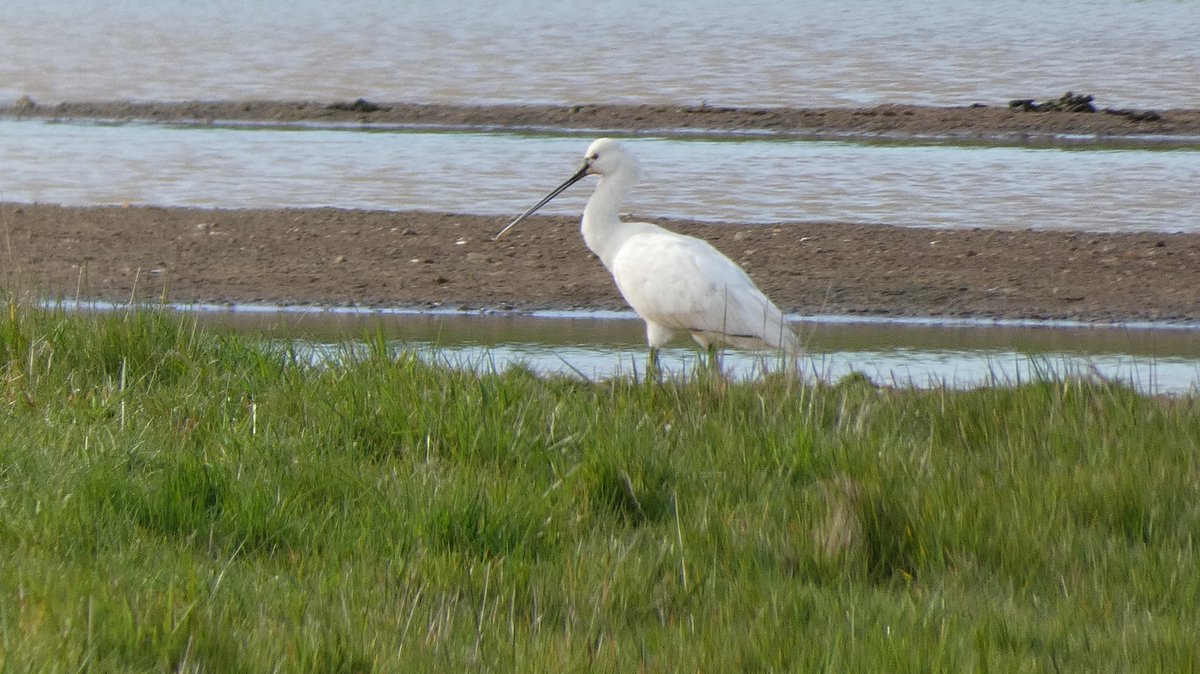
751	52
1152	358
890	353
743	181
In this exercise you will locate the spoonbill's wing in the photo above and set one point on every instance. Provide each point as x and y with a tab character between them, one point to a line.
684	283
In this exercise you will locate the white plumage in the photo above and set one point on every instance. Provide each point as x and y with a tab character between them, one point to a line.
674	282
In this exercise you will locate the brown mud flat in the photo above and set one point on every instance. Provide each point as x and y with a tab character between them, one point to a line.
992	122
414	259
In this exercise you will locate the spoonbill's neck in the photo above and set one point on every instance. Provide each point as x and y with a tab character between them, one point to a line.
602	229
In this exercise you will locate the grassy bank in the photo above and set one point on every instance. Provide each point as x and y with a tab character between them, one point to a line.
176	498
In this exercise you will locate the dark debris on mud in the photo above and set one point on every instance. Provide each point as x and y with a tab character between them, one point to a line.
1072	102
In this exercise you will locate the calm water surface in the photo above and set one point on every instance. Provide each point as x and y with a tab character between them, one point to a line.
749	52
748	181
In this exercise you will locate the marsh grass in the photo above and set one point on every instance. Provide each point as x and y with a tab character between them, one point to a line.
177	498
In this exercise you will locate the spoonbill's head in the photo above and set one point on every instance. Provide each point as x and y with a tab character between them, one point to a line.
604	157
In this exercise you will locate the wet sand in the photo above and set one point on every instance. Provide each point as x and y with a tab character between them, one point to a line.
412	259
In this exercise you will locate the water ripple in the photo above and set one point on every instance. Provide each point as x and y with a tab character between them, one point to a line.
750	52
743	181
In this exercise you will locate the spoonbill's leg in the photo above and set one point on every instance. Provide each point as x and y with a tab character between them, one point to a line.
656	336
652	370
714	358
712	352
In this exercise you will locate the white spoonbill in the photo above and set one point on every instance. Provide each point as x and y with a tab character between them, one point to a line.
674	282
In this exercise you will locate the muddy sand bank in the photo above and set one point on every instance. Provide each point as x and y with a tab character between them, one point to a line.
414	259
999	121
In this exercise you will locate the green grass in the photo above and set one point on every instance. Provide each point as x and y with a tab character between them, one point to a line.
176	498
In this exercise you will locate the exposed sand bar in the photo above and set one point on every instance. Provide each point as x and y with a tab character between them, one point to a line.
415	259
995	122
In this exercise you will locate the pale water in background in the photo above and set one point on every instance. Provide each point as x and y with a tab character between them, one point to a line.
744	52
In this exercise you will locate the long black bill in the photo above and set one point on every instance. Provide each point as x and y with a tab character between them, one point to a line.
583	171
